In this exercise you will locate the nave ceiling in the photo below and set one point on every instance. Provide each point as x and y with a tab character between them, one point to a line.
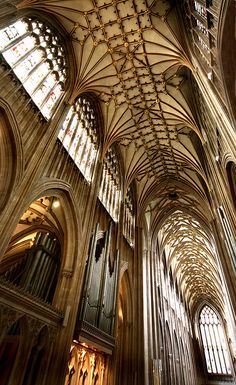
131	54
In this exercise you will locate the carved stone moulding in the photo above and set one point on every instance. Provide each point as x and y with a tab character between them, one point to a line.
23	302
95	337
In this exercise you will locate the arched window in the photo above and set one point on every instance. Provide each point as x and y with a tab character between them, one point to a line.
129	220
37	58
214	342
200	9
109	193
79	135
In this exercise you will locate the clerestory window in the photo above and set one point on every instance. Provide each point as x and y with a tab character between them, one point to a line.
79	135
200	9
109	193
214	342
37	58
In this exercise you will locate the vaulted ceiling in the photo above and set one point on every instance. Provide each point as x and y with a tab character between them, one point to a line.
132	55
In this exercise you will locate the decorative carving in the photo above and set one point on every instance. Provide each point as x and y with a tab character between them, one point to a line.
67	273
85	363
8	317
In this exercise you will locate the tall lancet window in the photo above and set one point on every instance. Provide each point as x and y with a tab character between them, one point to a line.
79	135
129	220
37	58
214	342
109	193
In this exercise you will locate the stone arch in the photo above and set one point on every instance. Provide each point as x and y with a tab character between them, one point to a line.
231	175
62	191
124	332
71	235
37	358
13	349
11	154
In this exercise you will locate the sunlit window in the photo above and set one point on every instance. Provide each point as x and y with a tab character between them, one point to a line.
37	58
129	222
200	9
202	28
109	193
214	342
79	135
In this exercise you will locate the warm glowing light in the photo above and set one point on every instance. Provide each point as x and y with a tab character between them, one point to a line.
56	204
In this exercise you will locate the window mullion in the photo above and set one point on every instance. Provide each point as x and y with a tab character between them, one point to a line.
80	148
215	349
218	337
73	121
68	126
15	41
206	326
84	151
46	98
29	74
22	58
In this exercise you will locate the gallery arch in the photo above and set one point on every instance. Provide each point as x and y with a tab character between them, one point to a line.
32	260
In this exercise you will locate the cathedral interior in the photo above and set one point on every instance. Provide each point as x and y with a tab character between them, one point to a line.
118	180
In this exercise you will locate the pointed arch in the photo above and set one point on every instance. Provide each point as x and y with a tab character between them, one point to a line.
11	153
213	341
123	360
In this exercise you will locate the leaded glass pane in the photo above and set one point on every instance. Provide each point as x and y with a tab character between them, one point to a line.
78	135
13	54
38	60
28	64
109	193
11	33
214	342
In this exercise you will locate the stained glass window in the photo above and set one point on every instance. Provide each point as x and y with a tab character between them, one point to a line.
79	135
37	58
202	28
109	193
200	9
214	342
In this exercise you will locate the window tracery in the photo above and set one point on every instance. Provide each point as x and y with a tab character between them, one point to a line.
79	135
37	58
200	9
214	342
129	220
202	19
109	193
